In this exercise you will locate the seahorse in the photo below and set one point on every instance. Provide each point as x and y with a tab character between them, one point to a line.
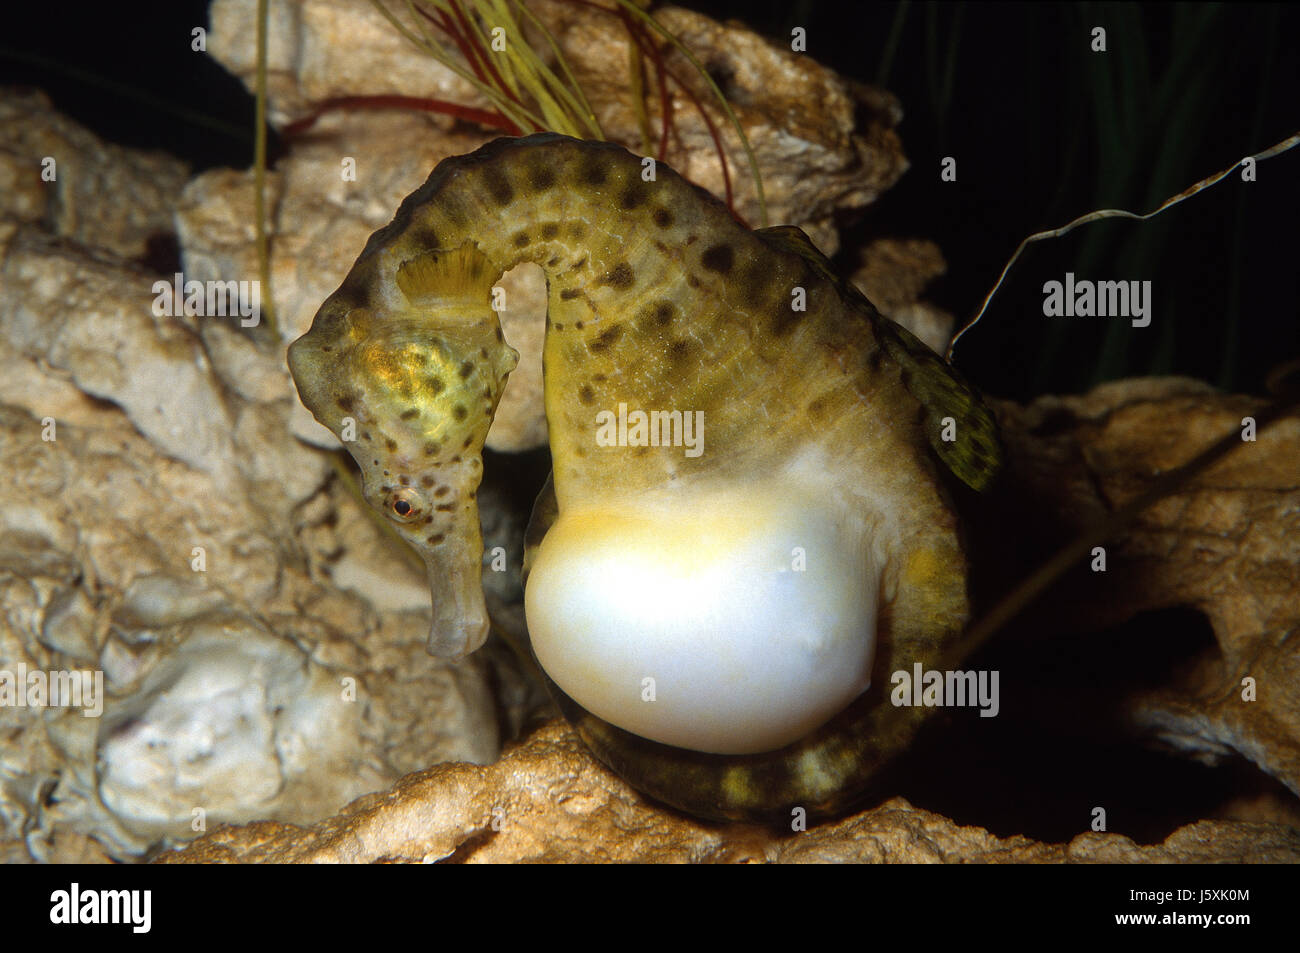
718	610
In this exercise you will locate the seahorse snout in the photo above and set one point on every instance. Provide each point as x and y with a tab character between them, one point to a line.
460	620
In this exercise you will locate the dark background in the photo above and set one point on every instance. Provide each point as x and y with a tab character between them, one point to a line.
1042	129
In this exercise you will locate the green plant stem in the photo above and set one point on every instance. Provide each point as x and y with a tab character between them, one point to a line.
259	176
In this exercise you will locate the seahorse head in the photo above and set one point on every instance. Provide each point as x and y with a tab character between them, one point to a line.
407	372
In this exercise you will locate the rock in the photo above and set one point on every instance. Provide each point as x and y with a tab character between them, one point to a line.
800	117
821	143
232	720
547	801
1225	546
94	193
320	49
893	273
156	520
93	320
97	575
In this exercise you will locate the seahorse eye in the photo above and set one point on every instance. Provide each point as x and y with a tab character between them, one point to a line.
406	505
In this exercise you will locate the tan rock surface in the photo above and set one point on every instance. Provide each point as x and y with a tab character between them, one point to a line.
101	195
95	574
799	115
894	273
1228	545
547	801
247	683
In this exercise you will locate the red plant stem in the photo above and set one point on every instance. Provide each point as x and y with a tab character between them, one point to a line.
470	49
495	120
446	26
661	79
485	117
472	38
717	145
646	46
699	107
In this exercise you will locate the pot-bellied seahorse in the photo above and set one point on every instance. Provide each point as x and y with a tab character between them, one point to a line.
747	529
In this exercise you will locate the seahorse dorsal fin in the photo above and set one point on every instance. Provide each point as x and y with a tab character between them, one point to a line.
970	447
443	274
793	239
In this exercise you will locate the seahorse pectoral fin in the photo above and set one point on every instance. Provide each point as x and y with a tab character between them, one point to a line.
460	618
960	427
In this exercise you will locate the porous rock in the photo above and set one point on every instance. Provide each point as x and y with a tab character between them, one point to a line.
547	801
157	522
1224	545
55	173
